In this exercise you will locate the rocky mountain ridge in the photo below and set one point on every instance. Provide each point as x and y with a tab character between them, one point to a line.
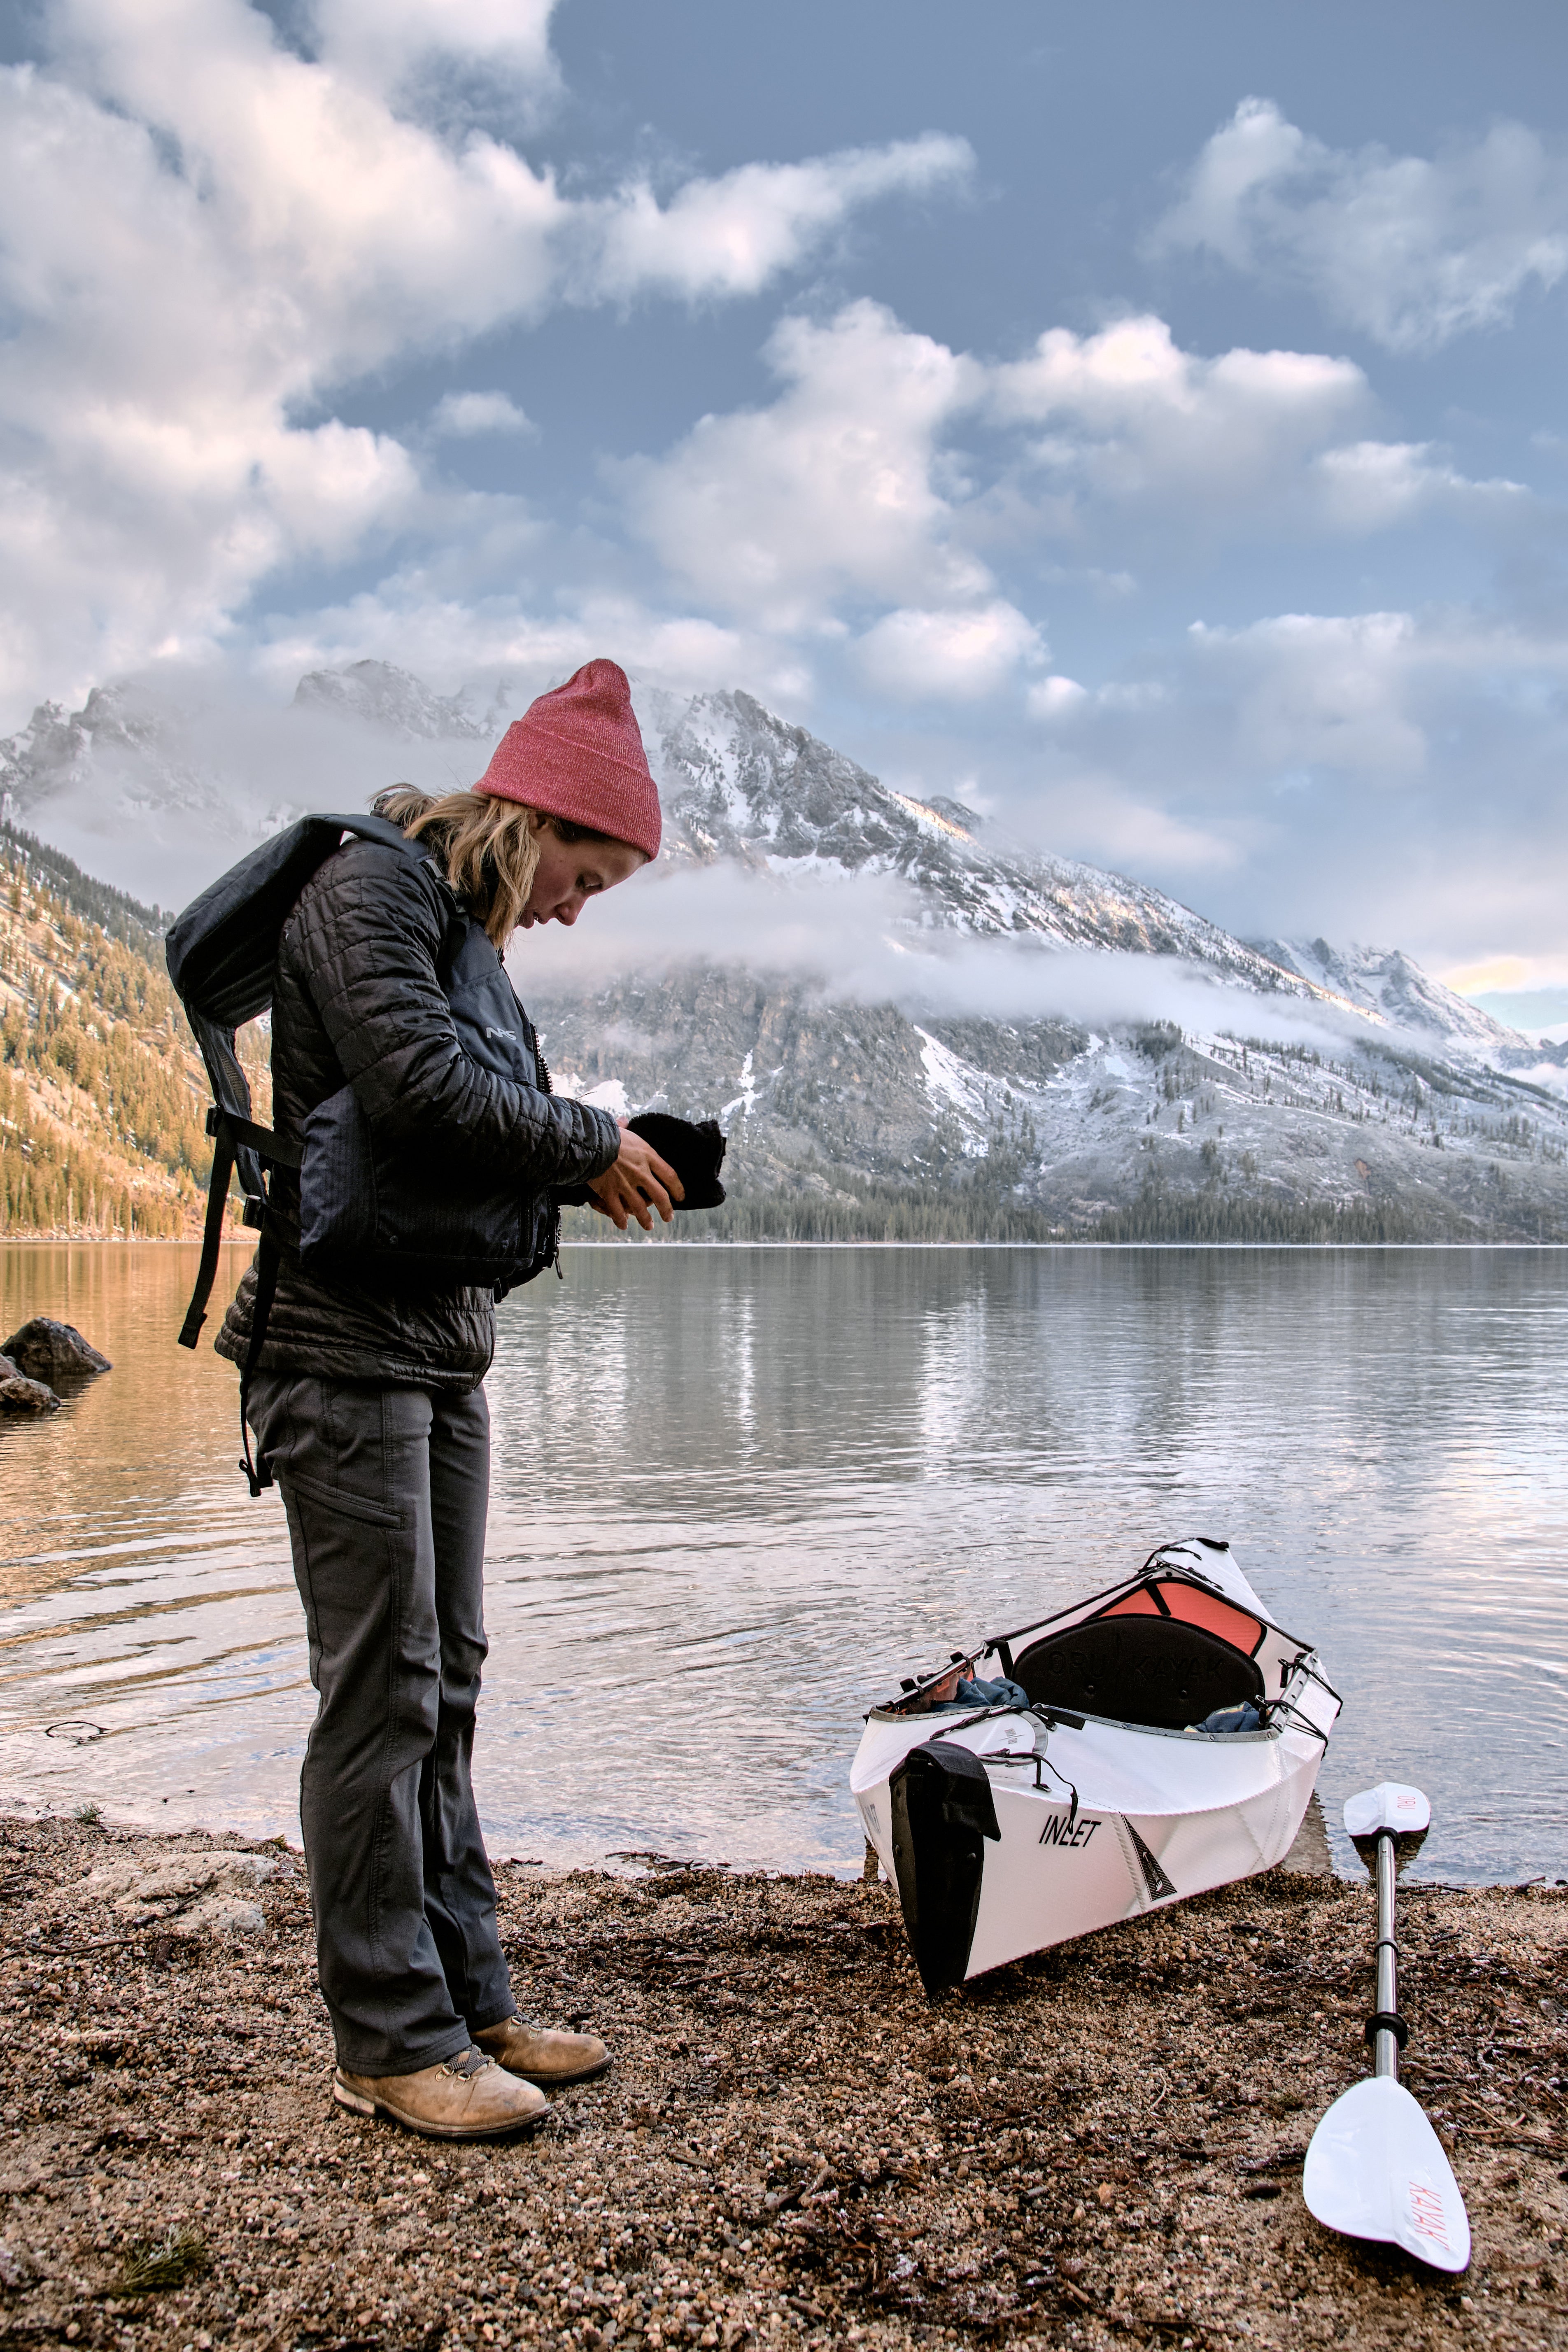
1304	1092
1113	1065
1386	984
397	705
159	784
742	784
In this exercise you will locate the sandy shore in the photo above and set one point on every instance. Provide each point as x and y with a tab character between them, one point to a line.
1098	2147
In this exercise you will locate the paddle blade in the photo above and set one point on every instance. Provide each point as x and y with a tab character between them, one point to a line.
1376	2170
1390	1806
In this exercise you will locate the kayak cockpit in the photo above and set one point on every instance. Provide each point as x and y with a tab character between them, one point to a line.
1168	1655
1168	1651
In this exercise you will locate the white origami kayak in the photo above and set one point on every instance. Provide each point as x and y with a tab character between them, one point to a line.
1007	1828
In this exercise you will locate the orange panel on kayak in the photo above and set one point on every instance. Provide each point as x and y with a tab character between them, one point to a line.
1191	1607
1216	1616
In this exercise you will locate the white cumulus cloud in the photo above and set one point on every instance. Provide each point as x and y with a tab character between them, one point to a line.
890	467
382	42
1055	698
832	491
1136	416
462	415
1410	250
1377	484
1242	444
956	657
204	234
733	234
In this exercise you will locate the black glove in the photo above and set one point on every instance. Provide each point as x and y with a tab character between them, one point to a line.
694	1148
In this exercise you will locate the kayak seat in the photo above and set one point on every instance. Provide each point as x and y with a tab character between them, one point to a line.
1138	1669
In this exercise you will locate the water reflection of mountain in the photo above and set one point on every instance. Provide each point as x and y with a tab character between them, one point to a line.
930	1363
737	1493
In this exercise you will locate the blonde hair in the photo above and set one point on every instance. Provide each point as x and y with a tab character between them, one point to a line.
489	847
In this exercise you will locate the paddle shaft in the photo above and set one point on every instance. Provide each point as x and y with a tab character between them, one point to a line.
1385	2044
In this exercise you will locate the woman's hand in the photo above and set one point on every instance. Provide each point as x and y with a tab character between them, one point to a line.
636	1184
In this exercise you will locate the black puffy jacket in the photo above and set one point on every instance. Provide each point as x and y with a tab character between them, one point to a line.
357	1000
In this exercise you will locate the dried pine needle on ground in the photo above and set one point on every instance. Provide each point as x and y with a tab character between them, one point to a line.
1101	2146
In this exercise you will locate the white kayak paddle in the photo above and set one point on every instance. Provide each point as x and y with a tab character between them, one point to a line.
1376	2168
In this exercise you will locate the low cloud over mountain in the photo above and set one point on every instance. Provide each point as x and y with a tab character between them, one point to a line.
893	1010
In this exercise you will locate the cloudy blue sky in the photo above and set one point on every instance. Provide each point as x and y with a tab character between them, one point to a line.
1144	422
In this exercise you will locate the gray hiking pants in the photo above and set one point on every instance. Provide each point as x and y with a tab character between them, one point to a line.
385	1490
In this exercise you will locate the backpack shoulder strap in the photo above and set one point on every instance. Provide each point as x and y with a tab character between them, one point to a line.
221	952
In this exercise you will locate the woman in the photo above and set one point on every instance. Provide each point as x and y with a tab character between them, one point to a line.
368	1399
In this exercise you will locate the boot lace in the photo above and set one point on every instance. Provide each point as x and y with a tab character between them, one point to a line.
469	2063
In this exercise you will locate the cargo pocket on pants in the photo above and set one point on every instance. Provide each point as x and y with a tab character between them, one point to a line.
342	1499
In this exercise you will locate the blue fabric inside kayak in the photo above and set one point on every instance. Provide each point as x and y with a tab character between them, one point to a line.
1245	1718
1004	1693
1000	1693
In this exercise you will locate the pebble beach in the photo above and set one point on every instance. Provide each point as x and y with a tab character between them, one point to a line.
1101	2146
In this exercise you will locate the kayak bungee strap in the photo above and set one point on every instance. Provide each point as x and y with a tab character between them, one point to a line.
1386	2021
1049	1716
1081	1612
1069	1786
1041	1762
996	1641
1273	1707
1302	1666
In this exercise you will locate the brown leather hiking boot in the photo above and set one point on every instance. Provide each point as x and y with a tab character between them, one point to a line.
541	2056
465	2097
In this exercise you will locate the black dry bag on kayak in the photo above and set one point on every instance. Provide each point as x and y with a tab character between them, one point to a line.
366	1211
942	1812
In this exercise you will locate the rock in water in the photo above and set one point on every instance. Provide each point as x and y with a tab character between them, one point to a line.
19	1395
44	1350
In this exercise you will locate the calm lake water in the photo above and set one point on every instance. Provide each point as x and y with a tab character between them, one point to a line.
738	1492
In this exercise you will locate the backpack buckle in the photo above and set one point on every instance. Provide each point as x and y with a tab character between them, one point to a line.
255	1211
215	1118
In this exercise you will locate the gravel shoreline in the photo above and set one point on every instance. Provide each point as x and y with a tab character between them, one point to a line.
1098	2147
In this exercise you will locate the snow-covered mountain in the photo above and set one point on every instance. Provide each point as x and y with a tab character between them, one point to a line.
1385	982
737	782
1296	1087
1059	1047
158	786
394	703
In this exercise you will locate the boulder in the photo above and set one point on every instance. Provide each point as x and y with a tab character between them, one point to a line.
19	1395
197	1892
44	1350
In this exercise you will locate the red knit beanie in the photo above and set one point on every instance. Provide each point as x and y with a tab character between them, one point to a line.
578	752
